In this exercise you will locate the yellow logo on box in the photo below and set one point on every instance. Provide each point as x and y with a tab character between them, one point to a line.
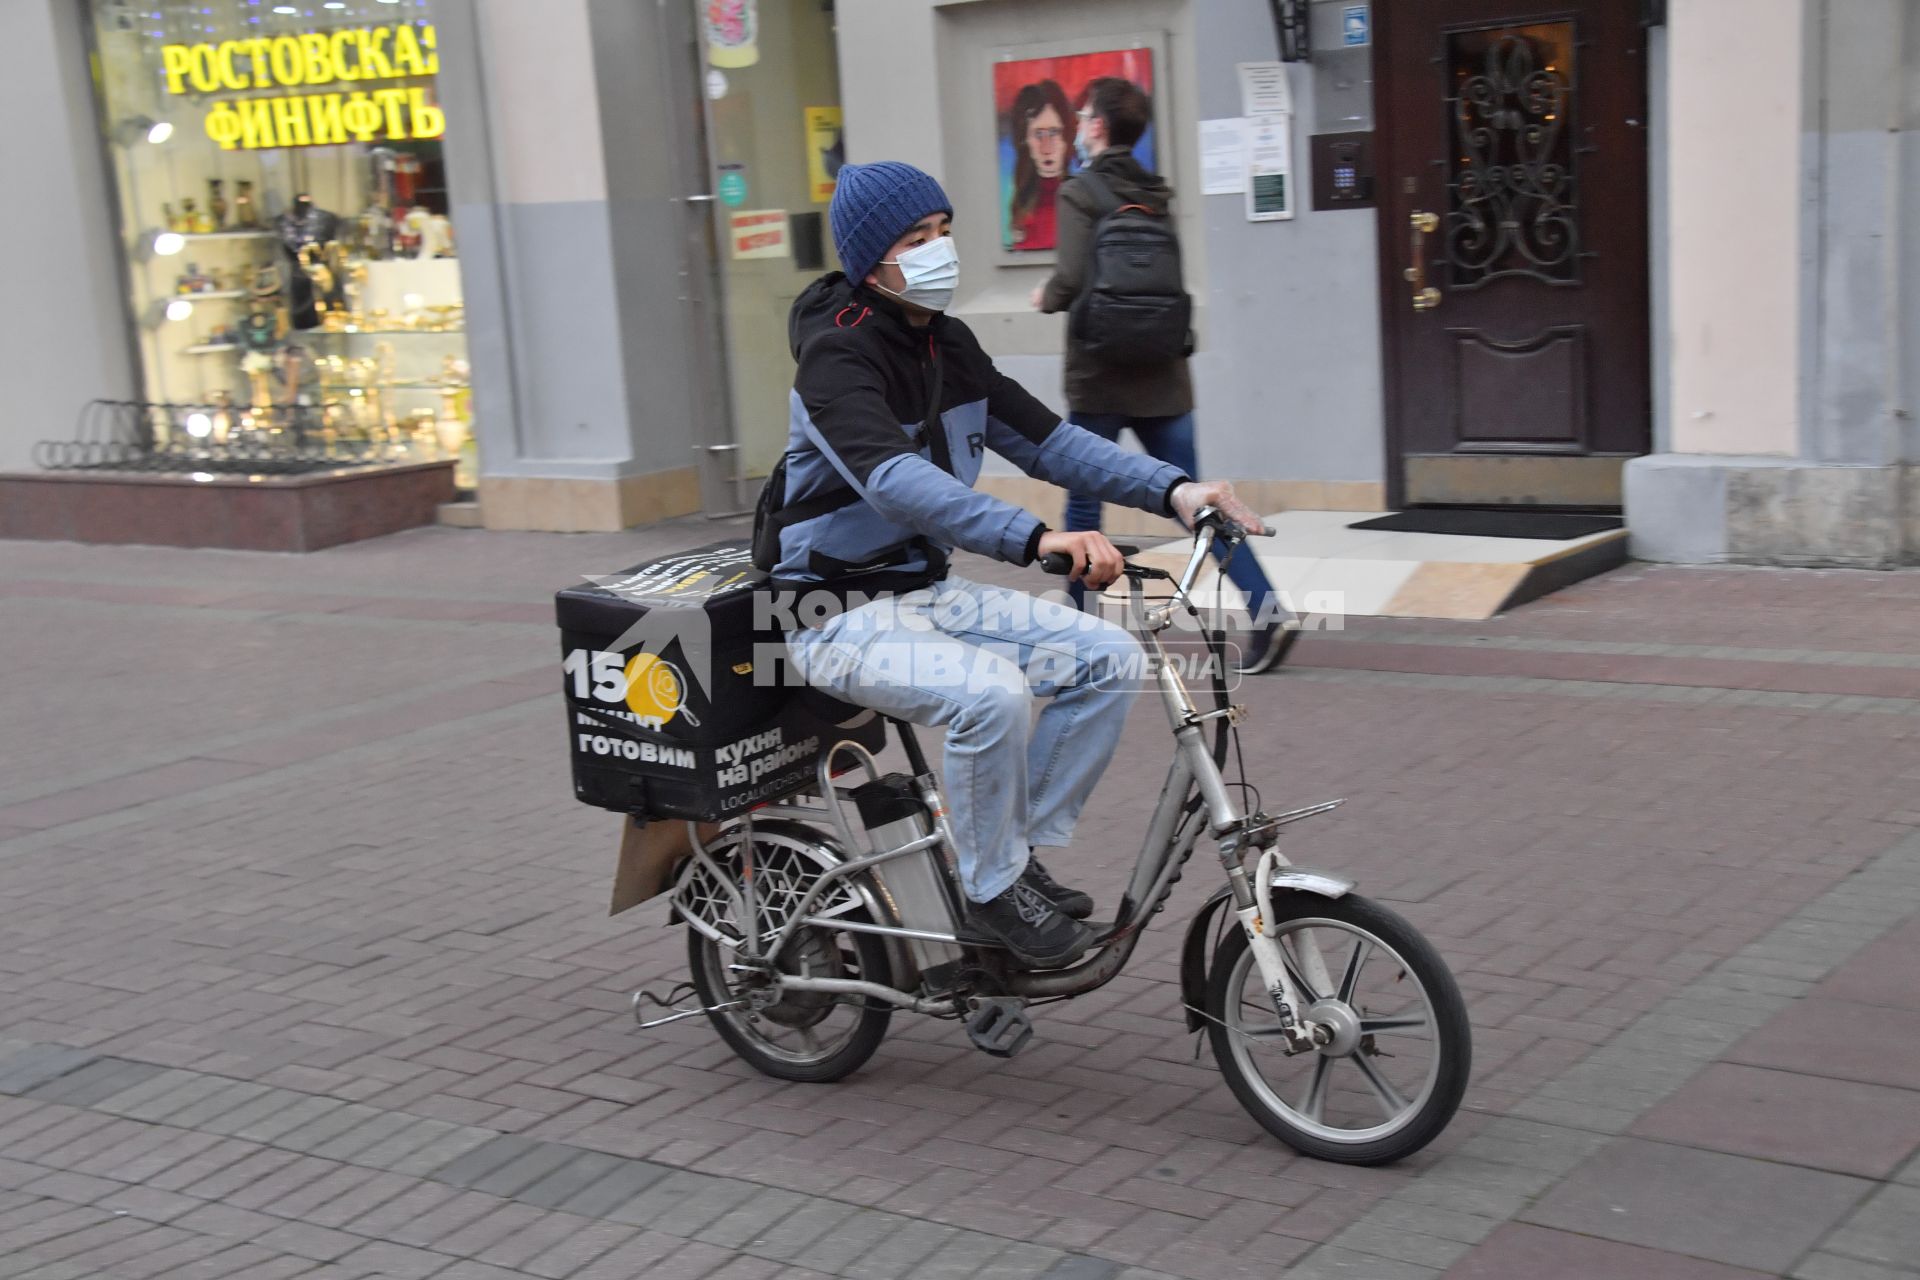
654	688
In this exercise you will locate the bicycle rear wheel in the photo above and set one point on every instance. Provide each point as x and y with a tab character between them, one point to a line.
808	1036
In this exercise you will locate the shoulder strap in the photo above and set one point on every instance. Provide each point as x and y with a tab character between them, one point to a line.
1113	203
792	513
931	426
935	431
805	509
1103	196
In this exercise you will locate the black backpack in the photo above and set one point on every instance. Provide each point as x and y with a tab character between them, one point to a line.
772	513
1134	308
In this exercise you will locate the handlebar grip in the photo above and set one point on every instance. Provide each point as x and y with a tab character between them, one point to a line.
1060	563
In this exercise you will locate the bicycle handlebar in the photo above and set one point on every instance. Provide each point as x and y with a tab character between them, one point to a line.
1060	564
1209	526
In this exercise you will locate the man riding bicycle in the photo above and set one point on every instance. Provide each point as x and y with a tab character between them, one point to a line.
893	406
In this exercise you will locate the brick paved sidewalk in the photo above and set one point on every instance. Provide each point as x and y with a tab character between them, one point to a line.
303	971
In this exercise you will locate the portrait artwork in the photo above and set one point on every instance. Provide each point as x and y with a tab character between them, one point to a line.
1038	103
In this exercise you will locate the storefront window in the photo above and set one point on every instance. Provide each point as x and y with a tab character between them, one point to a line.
294	283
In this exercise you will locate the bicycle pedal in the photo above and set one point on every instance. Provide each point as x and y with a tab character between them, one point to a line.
1000	1026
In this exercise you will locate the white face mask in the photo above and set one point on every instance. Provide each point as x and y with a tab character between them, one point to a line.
931	271
1082	145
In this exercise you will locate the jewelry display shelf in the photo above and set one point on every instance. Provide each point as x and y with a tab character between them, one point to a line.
210	296
399	384
212	348
374	333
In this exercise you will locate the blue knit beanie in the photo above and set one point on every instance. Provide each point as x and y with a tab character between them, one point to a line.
873	205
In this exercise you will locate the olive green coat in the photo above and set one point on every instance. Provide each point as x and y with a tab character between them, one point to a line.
1137	390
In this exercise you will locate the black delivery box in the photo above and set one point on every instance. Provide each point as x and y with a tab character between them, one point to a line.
676	706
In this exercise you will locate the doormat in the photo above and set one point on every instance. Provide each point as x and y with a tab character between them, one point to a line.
1492	524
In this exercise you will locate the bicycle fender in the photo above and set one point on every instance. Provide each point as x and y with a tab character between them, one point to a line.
1323	883
822	848
1193	958
1194	952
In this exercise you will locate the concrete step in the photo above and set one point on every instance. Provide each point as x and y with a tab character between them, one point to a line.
1322	565
461	515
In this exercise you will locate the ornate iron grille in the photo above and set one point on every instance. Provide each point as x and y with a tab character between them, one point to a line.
209	439
1513	191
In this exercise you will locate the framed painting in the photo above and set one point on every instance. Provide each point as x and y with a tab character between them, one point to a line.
1037	103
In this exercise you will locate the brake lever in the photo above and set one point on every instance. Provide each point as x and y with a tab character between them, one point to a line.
1225	526
1222	524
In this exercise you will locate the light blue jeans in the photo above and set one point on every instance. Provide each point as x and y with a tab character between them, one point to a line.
972	659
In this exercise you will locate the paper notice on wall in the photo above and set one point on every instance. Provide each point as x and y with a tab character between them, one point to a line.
759	233
1269	168
1223	157
1264	90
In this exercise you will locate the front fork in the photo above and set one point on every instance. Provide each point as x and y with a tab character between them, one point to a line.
1253	901
1256	917
1250	900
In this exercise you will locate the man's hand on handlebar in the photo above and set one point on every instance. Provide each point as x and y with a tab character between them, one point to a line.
1095	561
1190	497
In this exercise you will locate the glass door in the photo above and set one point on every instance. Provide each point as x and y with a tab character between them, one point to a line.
772	87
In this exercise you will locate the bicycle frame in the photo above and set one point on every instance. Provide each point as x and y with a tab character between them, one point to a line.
1179	818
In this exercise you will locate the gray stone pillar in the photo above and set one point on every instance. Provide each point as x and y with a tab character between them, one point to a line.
1792	344
563	126
64	337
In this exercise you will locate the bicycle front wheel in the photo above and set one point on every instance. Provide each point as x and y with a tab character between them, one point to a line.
1394	1073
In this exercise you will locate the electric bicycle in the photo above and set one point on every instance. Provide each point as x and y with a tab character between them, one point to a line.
813	919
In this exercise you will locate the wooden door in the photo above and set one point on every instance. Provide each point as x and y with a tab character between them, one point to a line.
1513	233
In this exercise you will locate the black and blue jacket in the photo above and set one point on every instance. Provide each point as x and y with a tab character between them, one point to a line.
895	499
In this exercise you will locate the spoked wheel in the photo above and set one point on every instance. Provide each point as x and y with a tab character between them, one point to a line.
808	1036
1394	1073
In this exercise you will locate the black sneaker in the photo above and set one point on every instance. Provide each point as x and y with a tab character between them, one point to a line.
1068	902
1025	923
1267	649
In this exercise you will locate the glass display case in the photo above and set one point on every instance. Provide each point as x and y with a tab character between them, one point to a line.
293	272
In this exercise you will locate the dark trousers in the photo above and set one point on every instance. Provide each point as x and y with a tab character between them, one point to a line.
1170	440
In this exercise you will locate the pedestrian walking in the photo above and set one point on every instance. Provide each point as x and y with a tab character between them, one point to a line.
1151	397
